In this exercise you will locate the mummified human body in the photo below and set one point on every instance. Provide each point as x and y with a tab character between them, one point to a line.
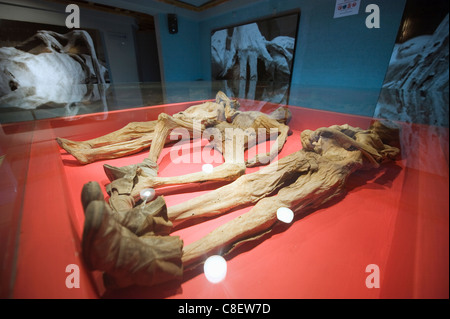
301	181
136	136
215	118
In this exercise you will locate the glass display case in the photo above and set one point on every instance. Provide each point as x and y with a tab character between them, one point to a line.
386	236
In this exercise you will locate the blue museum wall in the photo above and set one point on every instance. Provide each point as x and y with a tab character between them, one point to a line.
179	52
339	64
340	52
330	52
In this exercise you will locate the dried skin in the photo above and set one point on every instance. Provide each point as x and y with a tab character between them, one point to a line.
333	154
136	178
136	136
247	189
302	181
233	166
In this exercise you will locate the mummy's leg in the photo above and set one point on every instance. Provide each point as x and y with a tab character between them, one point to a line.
247	189
130	139
309	191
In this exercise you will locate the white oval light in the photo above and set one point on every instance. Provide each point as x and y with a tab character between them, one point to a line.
147	194
207	168
285	215
215	269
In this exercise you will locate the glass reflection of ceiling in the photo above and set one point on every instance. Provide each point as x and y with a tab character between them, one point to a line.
196	3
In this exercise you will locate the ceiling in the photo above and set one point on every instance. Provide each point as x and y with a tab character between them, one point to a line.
190	5
139	8
194	5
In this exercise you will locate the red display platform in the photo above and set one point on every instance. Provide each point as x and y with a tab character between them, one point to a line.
395	217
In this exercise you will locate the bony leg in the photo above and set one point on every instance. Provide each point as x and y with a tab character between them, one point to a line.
271	126
333	156
130	139
313	188
225	172
247	189
79	150
164	126
148	167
